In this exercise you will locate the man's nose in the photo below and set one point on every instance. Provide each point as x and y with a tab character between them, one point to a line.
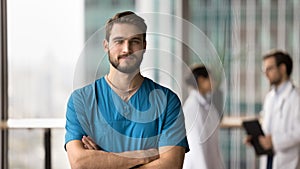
126	47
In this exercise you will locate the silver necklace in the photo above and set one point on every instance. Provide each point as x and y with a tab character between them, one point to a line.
123	92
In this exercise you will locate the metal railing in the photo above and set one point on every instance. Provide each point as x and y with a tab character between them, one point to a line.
46	124
59	123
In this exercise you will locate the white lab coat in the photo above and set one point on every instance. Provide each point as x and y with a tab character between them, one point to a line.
202	125
281	119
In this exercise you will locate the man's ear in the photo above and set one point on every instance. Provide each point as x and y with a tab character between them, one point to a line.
105	45
282	68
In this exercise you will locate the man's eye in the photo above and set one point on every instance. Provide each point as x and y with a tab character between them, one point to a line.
136	41
118	41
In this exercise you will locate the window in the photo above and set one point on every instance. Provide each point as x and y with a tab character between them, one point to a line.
45	39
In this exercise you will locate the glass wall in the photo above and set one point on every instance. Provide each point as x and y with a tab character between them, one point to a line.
45	39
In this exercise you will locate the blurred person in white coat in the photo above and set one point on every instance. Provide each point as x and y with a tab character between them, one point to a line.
202	123
281	114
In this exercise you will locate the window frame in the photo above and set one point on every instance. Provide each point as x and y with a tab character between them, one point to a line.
3	85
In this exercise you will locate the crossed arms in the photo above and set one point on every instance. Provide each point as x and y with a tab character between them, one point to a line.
85	154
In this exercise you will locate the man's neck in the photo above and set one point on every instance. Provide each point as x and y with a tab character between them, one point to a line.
125	81
283	80
281	84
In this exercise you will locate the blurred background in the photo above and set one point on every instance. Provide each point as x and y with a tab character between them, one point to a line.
54	46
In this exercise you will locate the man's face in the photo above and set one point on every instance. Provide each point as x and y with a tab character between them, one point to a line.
125	47
204	84
272	71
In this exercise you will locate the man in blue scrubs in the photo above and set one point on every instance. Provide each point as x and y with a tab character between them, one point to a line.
125	120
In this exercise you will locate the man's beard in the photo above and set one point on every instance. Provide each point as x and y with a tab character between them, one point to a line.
276	81
129	68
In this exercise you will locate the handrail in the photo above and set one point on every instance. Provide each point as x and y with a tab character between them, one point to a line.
59	123
33	123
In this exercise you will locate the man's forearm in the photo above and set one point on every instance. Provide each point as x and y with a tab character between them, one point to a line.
81	158
170	157
163	164
98	159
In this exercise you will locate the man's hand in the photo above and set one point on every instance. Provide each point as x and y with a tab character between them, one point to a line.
247	140
88	143
266	142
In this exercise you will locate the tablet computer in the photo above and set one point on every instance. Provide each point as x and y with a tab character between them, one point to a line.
253	128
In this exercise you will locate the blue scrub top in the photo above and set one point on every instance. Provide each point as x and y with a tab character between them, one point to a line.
150	119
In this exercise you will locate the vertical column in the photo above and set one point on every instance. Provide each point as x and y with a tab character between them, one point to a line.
250	57
184	31
281	22
165	54
265	36
235	80
236	55
3	84
296	42
266	25
177	46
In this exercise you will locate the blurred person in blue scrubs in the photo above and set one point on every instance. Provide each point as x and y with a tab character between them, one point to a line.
125	120
202	123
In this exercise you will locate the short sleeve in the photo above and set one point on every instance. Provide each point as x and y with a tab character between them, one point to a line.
173	129
73	128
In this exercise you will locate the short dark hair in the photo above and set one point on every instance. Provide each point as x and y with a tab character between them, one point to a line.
197	72
281	57
126	17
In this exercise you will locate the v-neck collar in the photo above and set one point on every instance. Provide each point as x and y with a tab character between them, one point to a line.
115	93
